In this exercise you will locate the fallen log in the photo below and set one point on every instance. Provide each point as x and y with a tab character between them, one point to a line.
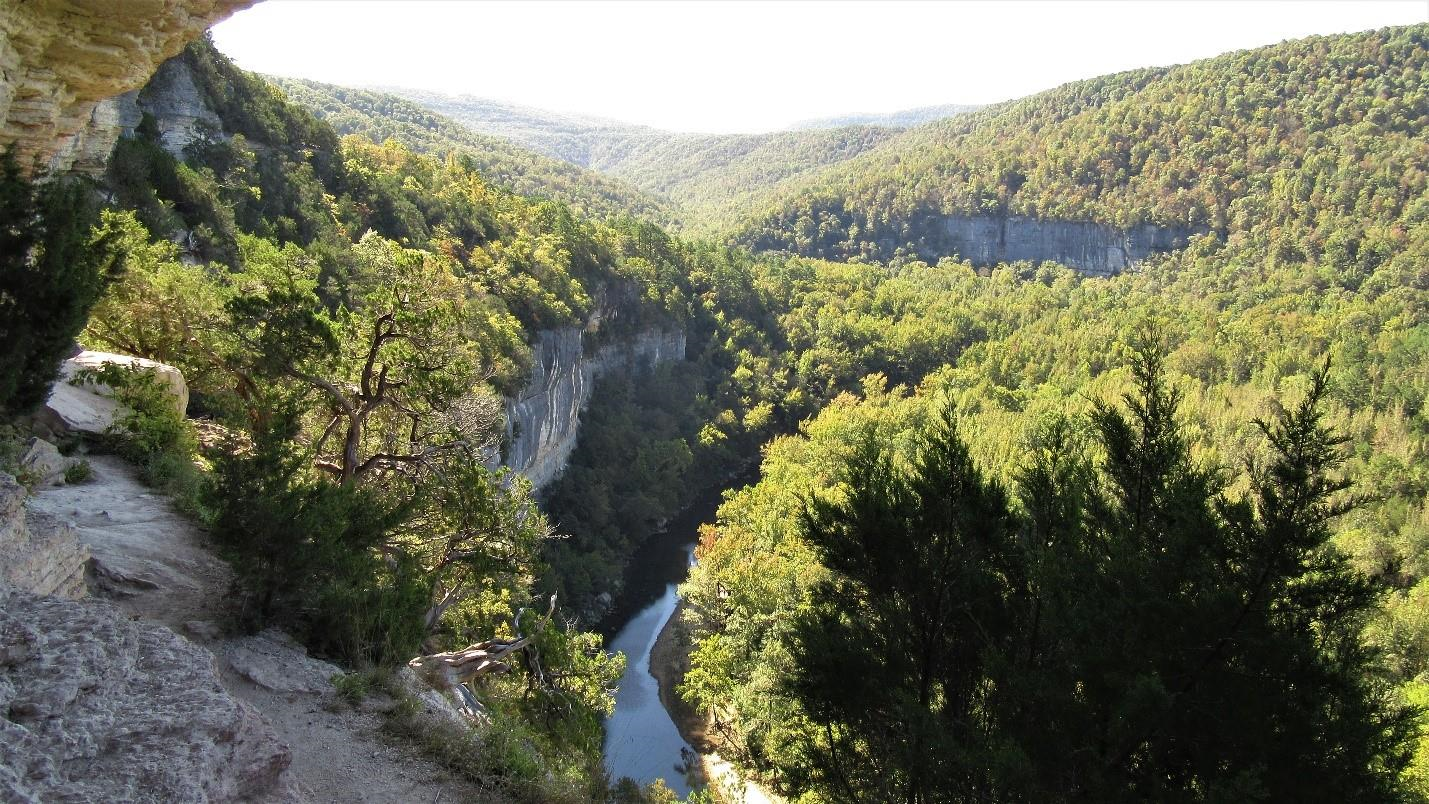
456	672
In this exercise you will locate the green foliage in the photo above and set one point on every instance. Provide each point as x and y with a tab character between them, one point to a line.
1316	247
927	579
78	472
1133	629
53	267
1297	148
150	431
158	307
352	687
305	553
380	117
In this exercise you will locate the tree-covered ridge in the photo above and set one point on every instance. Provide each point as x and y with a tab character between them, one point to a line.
1050	346
714	179
905	118
379	117
348	312
579	139
1107	614
347	315
1278	139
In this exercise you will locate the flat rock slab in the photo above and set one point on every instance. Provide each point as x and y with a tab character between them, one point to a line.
274	661
143	549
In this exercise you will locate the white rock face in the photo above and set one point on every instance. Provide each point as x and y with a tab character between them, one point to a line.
96	707
87	407
543	420
1090	248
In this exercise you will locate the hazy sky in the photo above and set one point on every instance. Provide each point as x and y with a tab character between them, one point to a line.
754	66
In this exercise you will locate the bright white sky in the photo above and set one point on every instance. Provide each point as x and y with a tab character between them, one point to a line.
755	66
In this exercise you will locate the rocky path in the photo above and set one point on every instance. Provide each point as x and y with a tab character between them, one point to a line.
153	563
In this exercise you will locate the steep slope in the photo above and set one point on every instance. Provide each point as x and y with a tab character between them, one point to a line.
379	117
1300	130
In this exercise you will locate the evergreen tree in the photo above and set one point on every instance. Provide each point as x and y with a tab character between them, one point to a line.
1201	648
897	651
53	267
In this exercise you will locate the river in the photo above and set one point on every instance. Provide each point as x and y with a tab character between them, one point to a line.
641	740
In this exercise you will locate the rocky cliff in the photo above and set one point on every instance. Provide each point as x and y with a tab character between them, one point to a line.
1091	248
60	58
543	419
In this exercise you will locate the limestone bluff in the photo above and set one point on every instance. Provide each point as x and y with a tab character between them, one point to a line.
59	59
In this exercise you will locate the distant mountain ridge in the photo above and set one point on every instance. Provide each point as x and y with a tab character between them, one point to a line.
715	179
1279	139
380	116
905	118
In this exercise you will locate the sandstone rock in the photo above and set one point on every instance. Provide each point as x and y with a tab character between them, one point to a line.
274	661
60	58
96	707
43	462
84	406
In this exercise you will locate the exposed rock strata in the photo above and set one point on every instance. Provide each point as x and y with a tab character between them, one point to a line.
60	58
542	421
1084	246
39	553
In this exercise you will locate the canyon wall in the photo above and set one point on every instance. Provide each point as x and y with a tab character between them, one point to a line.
1091	248
542	421
60	58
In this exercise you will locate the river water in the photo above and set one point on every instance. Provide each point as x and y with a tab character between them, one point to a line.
641	740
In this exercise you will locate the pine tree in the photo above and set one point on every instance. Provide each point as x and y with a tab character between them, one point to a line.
1189	646
894	654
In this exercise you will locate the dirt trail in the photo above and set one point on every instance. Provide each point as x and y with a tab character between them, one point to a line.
154	563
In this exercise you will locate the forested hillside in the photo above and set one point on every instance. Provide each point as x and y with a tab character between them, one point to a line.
1020	533
712	178
379	117
578	139
347	315
1319	134
1306	168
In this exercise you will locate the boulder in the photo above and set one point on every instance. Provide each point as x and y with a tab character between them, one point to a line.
44	463
77	405
97	707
